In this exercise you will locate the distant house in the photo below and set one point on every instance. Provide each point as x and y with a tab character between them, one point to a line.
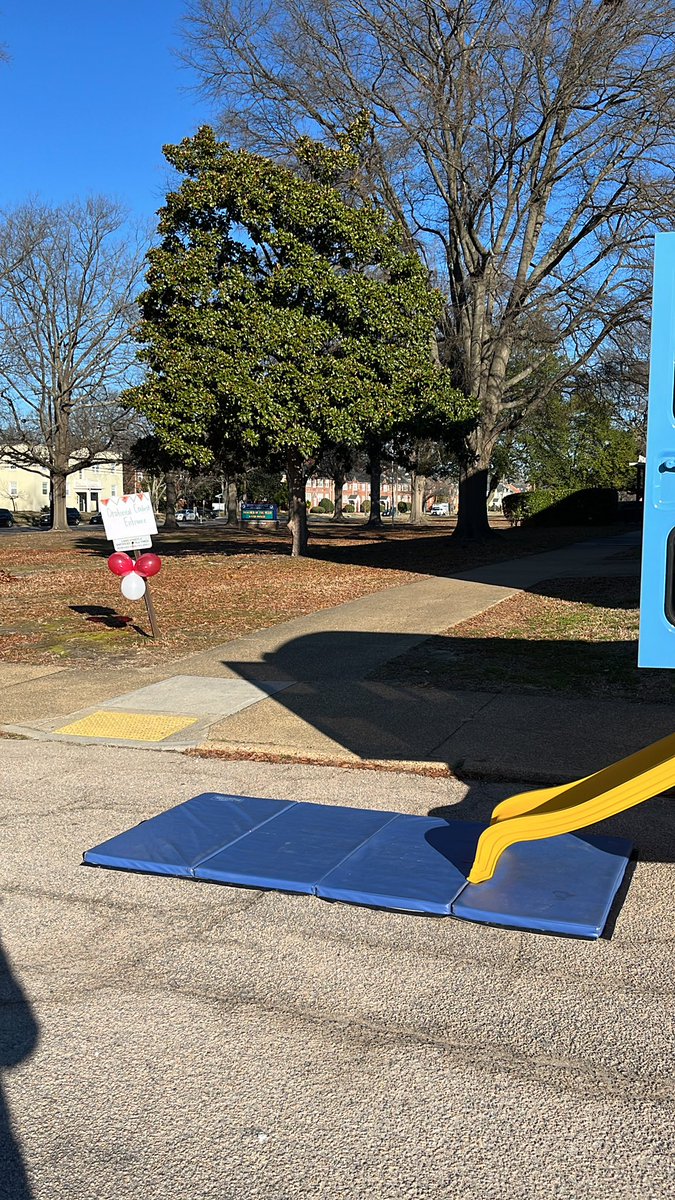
503	489
29	491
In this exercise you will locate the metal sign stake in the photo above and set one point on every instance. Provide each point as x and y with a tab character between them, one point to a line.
150	608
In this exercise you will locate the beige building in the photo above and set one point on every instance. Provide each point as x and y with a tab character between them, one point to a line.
28	491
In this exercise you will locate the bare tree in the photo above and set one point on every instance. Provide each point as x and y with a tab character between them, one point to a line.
68	277
622	376
525	147
431	465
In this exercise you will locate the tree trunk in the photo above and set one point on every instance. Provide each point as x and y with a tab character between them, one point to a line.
297	504
375	469
495	481
419	483
170	521
472	520
339	483
59	516
232	502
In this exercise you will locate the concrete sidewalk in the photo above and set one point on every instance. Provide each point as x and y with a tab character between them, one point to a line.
302	690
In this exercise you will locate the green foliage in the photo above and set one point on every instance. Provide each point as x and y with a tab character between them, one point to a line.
514	507
279	319
572	443
403	506
327	505
149	454
348	508
266	486
540	499
558	506
587	506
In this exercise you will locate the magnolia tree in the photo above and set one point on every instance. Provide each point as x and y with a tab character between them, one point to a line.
281	320
525	148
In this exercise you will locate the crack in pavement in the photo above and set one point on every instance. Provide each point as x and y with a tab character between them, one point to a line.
568	1075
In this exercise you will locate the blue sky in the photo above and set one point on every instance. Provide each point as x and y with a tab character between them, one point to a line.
91	93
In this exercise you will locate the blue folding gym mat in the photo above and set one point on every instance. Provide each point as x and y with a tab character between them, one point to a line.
416	864
173	842
378	859
295	850
562	884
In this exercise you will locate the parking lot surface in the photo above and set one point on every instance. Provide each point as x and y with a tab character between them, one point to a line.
163	1038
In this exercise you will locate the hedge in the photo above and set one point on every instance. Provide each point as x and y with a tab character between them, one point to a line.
549	506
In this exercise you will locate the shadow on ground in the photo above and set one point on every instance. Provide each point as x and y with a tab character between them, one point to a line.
531	667
365	693
18	1038
619	589
422	550
109	618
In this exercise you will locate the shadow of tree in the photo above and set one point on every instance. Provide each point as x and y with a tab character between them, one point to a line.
18	1037
530	666
422	550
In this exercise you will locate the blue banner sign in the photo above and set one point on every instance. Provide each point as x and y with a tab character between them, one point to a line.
259	512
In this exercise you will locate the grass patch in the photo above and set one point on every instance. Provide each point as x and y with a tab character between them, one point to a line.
565	635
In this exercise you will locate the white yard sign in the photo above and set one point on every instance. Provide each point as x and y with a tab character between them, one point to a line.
129	521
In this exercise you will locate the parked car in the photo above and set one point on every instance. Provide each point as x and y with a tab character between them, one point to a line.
97	519
439	510
72	516
6	518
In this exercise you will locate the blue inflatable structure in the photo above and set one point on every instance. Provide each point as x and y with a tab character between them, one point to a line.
657	597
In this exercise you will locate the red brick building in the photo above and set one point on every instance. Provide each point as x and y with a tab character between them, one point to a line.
357	490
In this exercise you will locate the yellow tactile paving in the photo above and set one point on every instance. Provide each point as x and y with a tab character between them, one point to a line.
134	727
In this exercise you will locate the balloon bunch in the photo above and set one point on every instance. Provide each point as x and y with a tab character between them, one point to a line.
134	574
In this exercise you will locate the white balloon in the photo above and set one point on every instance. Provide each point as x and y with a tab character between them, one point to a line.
133	586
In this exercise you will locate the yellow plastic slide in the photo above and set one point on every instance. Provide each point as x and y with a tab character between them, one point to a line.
547	812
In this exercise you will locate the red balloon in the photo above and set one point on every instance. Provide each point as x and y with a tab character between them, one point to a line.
148	565
120	564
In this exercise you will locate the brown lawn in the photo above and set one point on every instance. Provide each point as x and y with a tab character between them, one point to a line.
58	601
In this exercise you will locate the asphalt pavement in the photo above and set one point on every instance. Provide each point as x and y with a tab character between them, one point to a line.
163	1038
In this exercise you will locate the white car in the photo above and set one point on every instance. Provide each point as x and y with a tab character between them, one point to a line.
439	510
